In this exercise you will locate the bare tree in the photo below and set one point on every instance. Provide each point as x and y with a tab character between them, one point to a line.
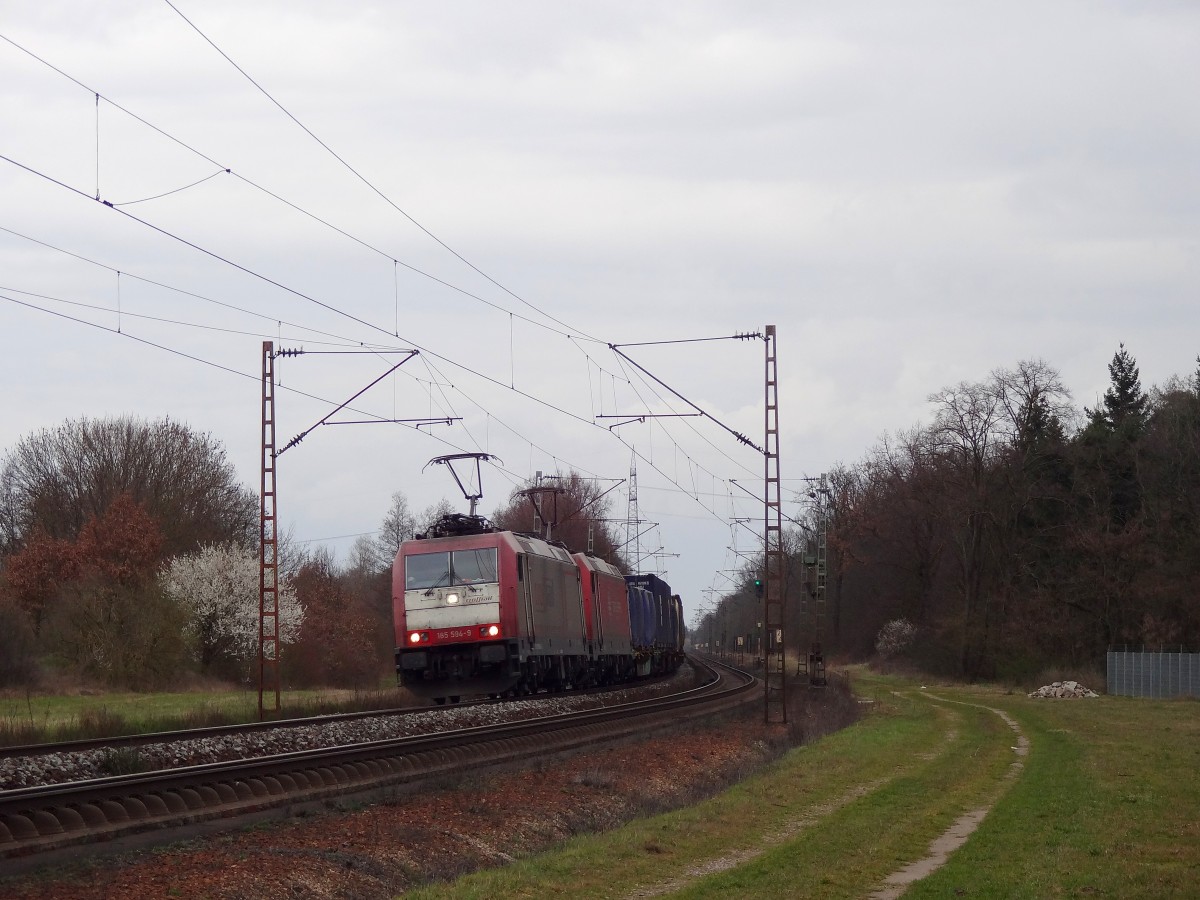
399	524
579	511
59	478
967	435
1034	401
104	614
430	514
344	641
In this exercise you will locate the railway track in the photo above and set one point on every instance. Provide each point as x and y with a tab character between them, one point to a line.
161	806
133	742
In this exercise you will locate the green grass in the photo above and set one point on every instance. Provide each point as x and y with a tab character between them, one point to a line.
1107	804
36	719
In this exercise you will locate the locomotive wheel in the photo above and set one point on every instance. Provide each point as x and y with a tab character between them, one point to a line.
440	701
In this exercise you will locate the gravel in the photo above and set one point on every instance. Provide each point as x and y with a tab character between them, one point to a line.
61	768
1063	690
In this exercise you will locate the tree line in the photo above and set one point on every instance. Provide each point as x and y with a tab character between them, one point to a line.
129	557
1012	533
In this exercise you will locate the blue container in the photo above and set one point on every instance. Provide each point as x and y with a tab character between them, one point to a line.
657	624
637	614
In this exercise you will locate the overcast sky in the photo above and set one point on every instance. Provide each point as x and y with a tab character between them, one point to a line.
915	194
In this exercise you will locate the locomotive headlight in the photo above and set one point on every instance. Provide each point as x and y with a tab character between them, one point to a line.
451	599
415	637
493	630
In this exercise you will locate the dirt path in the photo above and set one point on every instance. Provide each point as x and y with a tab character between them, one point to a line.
939	851
725	862
733	860
956	835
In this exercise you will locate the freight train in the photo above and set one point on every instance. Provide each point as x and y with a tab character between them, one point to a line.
479	611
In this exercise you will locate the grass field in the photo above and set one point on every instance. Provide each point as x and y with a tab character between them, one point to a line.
1106	803
35	719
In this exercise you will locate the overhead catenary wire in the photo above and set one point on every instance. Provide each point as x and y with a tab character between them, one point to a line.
451	361
710	513
295	292
249	312
97	146
499	421
515	479
572	337
689	425
280	199
737	434
223	169
215	365
349	342
211	253
168	193
641	374
366	181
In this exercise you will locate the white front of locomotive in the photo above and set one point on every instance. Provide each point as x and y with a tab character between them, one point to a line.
450	596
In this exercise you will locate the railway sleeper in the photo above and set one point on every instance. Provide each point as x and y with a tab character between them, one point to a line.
30	831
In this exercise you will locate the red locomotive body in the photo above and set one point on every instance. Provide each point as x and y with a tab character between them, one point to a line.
492	613
606	606
479	611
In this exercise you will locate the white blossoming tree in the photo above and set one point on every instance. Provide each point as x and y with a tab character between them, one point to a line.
218	588
895	637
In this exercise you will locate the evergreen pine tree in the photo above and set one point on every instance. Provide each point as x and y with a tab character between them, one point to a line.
1115	430
1126	407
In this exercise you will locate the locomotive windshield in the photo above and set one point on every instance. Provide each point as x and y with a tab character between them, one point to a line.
431	570
474	566
426	570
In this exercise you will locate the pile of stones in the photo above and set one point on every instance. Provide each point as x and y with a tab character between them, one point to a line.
1062	690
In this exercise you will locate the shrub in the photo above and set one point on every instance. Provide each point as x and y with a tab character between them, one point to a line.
18	661
895	637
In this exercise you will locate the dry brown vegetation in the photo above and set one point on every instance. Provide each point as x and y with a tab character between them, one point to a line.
478	820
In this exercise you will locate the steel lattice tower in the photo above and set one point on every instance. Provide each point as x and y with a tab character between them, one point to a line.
633	541
774	656
816	667
268	545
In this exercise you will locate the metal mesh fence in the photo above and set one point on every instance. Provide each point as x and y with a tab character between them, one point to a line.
1142	673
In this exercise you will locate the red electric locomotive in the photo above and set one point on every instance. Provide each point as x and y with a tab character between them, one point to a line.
606	609
479	611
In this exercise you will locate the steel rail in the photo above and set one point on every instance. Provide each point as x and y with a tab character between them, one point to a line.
39	820
213	731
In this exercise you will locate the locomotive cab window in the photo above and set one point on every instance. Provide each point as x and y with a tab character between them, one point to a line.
434	570
426	570
474	566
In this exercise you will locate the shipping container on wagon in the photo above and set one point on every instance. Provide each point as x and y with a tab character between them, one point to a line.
641	605
635	603
660	630
680	632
